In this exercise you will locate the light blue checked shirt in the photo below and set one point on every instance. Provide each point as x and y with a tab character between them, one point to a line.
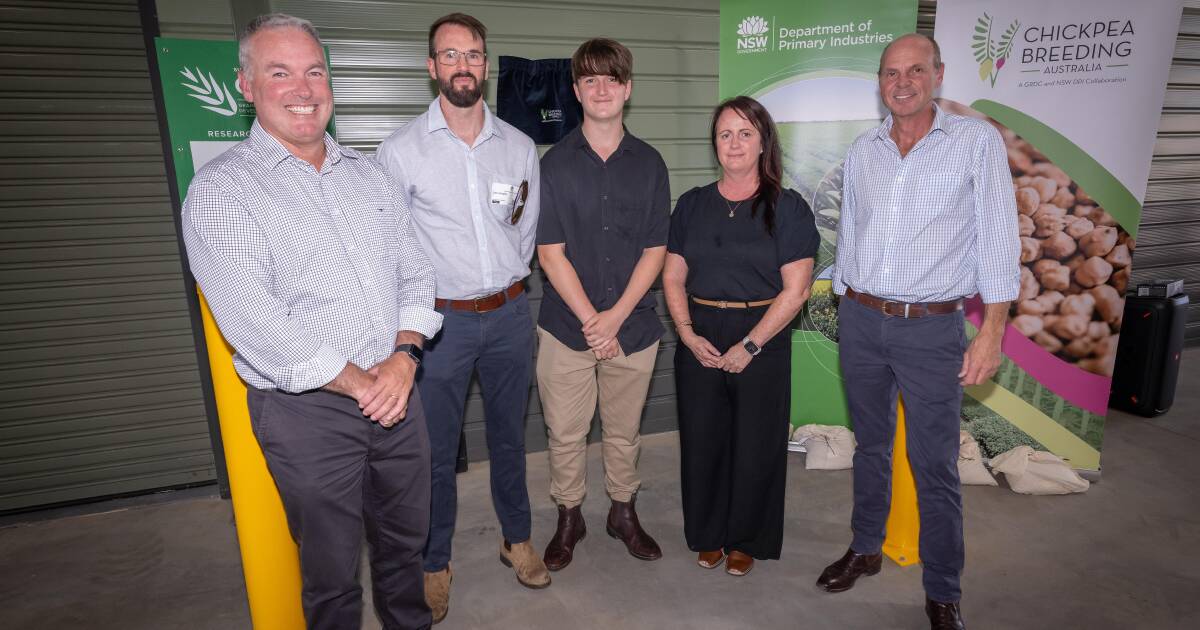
305	269
461	202
936	225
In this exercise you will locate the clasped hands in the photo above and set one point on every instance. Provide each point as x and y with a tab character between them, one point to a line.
600	332
733	361
382	391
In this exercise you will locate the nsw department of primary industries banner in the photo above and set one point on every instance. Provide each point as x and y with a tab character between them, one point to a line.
814	66
1076	88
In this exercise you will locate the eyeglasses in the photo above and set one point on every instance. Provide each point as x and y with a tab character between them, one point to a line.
450	57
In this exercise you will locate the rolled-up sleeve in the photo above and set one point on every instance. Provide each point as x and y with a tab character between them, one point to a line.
998	246
229	257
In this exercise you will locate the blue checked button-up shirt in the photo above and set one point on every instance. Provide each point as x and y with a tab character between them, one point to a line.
936	225
462	199
304	269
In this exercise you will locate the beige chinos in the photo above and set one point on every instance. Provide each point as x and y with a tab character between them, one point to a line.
570	382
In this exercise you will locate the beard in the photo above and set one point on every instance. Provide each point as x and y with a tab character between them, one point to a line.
461	97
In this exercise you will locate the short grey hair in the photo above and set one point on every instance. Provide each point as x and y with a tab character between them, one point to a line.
271	21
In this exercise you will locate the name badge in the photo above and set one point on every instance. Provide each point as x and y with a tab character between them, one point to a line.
503	193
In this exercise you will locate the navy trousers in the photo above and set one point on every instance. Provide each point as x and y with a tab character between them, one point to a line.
920	358
498	345
338	473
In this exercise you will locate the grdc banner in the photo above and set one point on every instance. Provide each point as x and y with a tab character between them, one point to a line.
1076	89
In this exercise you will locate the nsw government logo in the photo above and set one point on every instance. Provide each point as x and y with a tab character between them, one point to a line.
551	115
752	35
214	95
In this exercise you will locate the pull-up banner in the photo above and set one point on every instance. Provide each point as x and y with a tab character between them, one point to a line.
1076	89
814	66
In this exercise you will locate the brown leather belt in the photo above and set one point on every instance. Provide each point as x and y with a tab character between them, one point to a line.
485	303
904	309
729	304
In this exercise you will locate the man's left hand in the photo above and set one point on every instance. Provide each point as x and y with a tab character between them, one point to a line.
981	360
598	330
387	400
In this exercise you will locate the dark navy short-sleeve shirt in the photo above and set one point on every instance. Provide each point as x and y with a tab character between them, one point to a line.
734	258
606	213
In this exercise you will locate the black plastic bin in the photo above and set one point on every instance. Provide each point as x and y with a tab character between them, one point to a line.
1148	354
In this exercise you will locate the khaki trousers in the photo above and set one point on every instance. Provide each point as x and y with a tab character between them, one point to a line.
569	382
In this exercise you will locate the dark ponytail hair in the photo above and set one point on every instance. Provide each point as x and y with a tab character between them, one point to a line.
770	161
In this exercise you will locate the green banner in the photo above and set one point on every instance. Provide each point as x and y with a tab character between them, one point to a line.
813	65
206	112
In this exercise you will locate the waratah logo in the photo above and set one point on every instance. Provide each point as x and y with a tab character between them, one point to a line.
206	89
990	54
752	25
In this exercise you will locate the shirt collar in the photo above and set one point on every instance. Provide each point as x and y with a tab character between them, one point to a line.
884	130
437	120
579	141
273	153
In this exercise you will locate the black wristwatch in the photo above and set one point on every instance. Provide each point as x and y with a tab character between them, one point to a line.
413	351
751	347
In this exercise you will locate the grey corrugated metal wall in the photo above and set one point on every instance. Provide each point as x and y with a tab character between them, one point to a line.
1168	243
99	390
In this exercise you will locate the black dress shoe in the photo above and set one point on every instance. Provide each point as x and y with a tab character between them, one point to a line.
841	575
624	526
943	616
571	530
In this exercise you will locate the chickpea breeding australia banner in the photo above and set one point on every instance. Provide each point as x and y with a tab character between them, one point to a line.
1075	88
814	66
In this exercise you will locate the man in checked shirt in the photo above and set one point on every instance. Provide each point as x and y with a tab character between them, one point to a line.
471	180
306	254
928	218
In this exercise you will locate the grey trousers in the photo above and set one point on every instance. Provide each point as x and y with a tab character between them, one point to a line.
338	473
920	358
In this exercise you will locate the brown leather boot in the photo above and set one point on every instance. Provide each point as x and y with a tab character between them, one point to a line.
623	525
571	530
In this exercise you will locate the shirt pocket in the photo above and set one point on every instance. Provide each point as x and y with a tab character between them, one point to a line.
505	199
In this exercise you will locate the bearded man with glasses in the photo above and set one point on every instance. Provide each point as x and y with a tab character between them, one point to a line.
471	183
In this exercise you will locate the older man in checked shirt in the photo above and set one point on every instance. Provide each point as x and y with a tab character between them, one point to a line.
928	218
306	254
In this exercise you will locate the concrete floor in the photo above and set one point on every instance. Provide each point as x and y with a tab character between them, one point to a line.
1123	555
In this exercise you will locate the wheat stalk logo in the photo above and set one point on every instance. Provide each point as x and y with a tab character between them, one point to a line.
753	25
206	89
991	55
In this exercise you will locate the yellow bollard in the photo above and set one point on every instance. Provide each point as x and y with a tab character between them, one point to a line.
270	560
904	522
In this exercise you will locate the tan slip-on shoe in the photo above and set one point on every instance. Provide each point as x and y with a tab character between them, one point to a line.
437	592
525	562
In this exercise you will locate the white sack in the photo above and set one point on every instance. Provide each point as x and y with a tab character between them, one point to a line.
1038	472
971	470
828	447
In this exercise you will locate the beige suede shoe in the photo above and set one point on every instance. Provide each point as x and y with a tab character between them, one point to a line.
437	592
531	571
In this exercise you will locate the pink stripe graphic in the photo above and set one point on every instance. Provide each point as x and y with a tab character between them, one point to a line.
1079	387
